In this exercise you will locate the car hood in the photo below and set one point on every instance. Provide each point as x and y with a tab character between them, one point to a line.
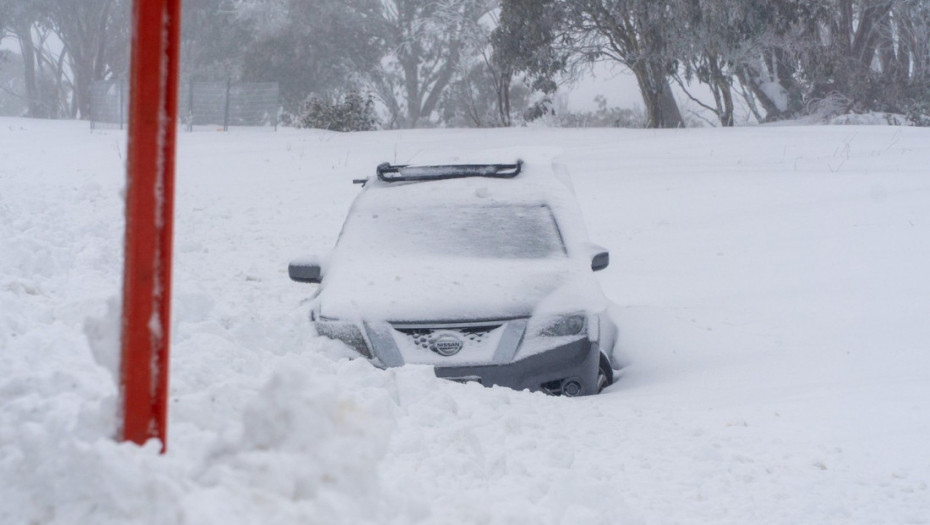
438	289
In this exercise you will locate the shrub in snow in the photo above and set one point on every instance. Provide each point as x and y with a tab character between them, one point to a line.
917	108
871	119
351	112
556	112
829	106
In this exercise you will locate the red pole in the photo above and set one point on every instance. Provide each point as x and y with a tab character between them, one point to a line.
153	95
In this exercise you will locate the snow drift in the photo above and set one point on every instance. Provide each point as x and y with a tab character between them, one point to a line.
772	295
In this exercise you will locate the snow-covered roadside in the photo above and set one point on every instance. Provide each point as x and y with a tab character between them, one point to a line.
772	295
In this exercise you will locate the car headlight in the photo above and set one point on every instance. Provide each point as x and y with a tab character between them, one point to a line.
563	326
348	333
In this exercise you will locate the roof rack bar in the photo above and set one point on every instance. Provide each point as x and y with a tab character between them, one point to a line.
404	173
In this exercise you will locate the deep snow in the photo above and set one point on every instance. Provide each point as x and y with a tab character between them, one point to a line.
772	293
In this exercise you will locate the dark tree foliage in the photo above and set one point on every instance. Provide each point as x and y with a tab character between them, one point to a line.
530	40
874	56
821	57
718	42
353	112
431	44
635	33
209	30
322	46
475	99
557	34
783	57
602	117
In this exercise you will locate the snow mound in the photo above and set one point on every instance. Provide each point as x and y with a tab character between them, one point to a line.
870	119
309	447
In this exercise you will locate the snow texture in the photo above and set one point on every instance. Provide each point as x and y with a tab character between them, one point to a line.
401	239
772	296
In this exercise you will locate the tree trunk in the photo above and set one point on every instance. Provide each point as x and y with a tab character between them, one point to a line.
443	78
505	91
27	48
726	97
661	108
785	73
722	90
412	85
751	78
503	96
773	69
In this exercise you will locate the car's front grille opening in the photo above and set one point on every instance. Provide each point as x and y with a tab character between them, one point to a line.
424	338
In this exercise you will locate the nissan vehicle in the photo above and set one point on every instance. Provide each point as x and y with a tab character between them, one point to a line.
483	271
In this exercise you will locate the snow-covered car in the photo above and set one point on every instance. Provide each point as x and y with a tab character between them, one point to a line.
483	271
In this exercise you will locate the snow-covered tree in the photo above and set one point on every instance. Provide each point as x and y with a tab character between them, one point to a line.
633	33
89	29
212	37
527	42
722	43
427	40
835	56
42	70
311	47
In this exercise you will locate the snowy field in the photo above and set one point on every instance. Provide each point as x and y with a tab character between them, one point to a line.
773	295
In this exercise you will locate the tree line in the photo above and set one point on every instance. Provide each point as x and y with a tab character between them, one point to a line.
500	62
64	46
782	58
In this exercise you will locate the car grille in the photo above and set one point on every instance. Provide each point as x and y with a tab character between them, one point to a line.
470	336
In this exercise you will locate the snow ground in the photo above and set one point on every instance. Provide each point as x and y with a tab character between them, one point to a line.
772	292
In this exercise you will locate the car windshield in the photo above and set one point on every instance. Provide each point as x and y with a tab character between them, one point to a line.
515	232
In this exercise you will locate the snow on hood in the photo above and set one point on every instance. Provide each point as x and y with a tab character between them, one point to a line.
440	289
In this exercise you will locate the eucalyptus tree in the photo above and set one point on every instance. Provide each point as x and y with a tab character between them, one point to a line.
90	30
633	33
875	54
320	47
19	20
213	39
427	41
529	41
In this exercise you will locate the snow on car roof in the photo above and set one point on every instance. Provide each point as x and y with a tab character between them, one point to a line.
540	182
439	249
537	183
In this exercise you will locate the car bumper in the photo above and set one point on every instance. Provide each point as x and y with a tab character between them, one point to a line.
570	368
552	371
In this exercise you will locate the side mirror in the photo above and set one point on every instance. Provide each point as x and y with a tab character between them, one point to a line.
600	257
305	270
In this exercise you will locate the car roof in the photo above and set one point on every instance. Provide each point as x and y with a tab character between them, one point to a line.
356	287
538	182
525	183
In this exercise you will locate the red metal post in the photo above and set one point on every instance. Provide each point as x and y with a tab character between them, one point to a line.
153	96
